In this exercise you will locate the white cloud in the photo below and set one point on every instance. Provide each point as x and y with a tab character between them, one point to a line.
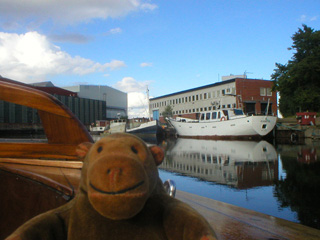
305	18
146	64
137	96
114	31
302	18
114	65
313	18
129	85
70	11
148	6
30	57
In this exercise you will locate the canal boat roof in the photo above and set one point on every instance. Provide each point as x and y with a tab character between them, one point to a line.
49	173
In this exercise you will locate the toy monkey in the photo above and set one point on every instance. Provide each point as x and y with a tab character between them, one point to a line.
121	197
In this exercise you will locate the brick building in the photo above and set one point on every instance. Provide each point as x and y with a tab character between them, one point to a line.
251	95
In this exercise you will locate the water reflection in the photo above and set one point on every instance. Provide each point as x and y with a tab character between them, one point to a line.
299	189
240	164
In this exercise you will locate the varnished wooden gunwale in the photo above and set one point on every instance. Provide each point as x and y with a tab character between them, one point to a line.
63	130
38	150
30	97
47	163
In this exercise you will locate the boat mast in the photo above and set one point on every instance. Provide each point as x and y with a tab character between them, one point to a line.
149	115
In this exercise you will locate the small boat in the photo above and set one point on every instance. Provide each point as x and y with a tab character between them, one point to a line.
99	127
116	126
148	128
224	124
37	176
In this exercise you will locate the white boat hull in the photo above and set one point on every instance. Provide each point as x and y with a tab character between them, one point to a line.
241	127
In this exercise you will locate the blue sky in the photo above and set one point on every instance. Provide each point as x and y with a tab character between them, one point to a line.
129	44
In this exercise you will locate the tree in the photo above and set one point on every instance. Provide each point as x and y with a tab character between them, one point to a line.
167	112
298	81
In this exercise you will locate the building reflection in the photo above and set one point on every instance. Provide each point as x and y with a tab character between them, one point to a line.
239	164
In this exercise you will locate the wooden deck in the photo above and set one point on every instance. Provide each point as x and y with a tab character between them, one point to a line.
232	222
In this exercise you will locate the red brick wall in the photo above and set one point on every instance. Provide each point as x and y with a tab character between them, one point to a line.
249	89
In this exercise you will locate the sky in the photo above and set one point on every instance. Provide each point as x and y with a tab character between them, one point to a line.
131	45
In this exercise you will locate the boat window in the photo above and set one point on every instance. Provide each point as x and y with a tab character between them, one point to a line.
219	115
214	115
202	116
225	112
208	116
238	112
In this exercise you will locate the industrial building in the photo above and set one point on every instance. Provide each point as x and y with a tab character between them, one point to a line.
116	101
251	95
13	116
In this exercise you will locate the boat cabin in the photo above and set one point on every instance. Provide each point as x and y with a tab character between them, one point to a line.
221	115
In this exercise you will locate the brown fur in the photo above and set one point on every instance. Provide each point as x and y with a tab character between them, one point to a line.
121	197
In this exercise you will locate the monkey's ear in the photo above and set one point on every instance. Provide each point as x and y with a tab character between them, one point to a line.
157	154
83	148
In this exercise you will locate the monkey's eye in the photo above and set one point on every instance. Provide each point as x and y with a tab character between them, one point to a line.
134	150
99	149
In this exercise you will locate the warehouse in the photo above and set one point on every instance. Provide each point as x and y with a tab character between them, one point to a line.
116	101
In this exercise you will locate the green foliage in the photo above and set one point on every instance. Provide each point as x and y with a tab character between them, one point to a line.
298	81
167	112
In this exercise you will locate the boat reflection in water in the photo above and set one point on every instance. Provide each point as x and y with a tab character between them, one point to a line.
239	164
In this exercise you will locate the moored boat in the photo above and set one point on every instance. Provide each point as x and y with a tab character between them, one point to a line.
116	126
224	123
147	128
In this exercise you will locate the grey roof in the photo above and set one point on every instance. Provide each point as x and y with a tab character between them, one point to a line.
43	84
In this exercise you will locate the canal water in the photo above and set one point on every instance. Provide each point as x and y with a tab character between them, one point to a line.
278	180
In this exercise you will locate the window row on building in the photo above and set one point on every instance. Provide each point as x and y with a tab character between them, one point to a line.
201	109
194	97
